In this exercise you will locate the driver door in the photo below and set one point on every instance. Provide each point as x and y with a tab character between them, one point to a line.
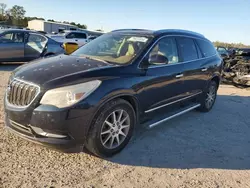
164	82
12	46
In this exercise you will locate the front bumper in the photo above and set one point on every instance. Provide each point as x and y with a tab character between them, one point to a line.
61	129
66	144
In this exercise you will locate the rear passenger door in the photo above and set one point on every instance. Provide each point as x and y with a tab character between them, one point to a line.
194	78
35	46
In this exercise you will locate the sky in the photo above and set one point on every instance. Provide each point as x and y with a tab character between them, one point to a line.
223	20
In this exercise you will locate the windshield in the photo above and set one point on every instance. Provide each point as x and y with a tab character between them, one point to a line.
114	48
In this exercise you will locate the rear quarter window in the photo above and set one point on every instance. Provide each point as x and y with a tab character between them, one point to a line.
207	48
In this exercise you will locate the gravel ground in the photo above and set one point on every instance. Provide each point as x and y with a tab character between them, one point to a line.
194	150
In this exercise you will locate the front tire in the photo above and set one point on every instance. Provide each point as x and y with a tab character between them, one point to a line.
208	97
112	129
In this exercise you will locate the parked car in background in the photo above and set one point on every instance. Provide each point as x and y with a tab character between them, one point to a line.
25	45
90	38
69	36
97	95
223	52
232	52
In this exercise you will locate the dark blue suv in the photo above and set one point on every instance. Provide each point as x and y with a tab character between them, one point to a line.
97	95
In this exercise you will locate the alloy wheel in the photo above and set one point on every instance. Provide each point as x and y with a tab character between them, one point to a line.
115	129
211	95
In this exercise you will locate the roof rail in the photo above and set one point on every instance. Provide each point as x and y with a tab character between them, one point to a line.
129	30
181	30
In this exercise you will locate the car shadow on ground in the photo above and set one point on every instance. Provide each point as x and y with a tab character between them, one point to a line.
218	139
9	66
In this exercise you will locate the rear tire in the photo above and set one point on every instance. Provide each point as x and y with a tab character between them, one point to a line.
112	128
208	97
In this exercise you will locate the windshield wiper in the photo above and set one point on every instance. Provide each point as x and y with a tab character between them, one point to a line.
97	59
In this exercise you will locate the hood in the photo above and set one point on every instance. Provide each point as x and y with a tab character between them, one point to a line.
47	69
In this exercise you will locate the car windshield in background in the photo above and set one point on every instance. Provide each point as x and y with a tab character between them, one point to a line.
114	48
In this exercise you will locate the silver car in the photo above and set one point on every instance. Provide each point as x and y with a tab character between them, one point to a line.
25	45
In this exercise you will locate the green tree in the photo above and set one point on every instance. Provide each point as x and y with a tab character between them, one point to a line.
2	8
16	15
2	12
51	20
82	26
17	12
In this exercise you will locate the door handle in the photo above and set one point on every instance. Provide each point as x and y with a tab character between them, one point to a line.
204	69
179	76
76	40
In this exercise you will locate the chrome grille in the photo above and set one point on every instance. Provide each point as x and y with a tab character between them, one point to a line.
20	93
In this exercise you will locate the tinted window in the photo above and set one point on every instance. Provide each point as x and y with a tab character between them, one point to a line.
166	47
80	35
76	35
206	47
71	36
187	48
12	37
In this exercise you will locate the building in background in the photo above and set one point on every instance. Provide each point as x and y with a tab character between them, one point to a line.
49	27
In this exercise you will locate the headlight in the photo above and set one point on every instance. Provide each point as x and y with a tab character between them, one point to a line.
69	95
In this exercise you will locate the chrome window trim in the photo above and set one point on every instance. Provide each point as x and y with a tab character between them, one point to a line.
156	66
164	105
26	82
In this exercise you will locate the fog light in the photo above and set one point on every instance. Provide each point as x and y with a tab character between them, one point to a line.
41	132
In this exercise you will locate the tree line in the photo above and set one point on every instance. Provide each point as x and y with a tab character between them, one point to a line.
231	45
15	16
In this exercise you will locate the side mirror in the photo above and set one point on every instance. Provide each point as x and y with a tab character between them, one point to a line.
158	59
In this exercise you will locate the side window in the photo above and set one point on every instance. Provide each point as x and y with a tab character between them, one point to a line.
71	36
12	37
36	38
166	47
187	48
206	47
80	35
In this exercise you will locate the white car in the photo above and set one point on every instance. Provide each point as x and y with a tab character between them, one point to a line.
78	37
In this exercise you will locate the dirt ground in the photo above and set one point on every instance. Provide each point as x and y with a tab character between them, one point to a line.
195	150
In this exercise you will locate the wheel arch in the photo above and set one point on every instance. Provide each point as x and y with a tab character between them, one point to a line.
130	98
125	96
217	79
